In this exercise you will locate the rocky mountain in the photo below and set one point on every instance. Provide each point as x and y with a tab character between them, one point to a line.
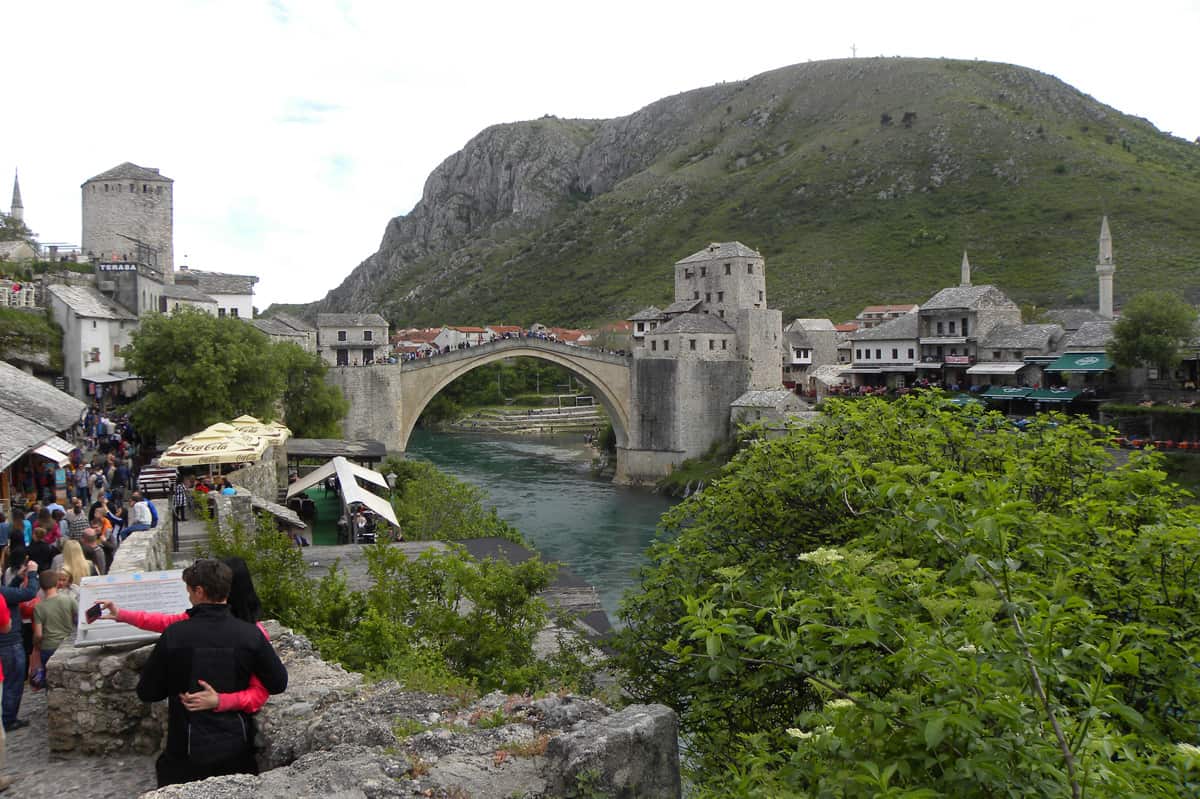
860	180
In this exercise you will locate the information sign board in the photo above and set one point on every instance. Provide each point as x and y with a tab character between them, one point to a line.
159	592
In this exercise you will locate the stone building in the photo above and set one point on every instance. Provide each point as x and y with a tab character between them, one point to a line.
234	294
1013	355
885	354
95	332
345	339
875	315
128	216
182	295
696	357
807	345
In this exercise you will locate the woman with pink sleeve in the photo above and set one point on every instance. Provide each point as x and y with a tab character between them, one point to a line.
243	604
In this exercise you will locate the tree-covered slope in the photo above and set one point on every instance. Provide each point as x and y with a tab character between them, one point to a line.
860	181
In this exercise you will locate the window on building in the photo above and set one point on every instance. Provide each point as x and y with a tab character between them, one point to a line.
723	343
641	327
721	313
996	355
878	355
954	350
727	266
695	295
367	335
858	354
1018	355
341	335
712	345
704	271
93	324
221	313
952	328
895	354
158	189
939	350
691	343
749	269
760	296
708	296
233	312
910	353
720	296
666	344
941	328
132	188
653	345
964	326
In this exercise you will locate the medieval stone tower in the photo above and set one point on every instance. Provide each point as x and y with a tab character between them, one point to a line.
128	214
717	341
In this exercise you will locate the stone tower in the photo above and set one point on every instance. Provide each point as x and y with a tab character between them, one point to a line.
1104	270
17	211
128	214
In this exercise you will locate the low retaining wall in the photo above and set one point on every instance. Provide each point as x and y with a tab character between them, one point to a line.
92	705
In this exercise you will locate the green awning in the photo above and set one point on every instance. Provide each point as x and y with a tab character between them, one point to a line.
1052	395
1081	362
1006	392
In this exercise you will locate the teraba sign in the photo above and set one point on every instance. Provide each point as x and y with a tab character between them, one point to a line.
116	266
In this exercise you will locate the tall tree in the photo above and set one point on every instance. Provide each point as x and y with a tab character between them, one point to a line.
311	407
198	369
1152	329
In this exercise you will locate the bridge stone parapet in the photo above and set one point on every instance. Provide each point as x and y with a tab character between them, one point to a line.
470	353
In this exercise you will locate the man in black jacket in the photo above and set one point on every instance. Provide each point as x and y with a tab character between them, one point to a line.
223	651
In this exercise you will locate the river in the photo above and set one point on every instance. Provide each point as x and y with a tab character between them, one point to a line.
544	487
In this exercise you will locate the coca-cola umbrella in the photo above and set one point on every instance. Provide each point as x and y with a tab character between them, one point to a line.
274	432
218	443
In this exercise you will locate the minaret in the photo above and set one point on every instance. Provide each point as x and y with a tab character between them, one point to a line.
965	280
18	210
1104	269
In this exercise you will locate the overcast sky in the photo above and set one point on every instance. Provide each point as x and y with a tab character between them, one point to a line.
295	130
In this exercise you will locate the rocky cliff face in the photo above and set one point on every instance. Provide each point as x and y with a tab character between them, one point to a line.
857	178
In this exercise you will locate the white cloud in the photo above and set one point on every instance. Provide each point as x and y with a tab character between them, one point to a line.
295	130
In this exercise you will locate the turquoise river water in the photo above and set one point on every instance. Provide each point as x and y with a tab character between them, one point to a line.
543	486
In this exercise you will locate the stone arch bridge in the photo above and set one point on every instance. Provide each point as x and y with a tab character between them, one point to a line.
387	399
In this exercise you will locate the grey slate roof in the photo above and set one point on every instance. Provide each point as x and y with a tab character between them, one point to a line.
217	282
1090	336
1072	319
1021	337
681	306
130	171
87	302
184	291
694	323
901	327
968	297
36	400
768	398
295	323
273	327
648	314
809	324
721	249
350	320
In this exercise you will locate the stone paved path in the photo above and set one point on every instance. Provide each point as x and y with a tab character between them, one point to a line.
38	775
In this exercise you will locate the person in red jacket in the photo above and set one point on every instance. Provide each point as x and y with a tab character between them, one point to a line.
5	626
244	605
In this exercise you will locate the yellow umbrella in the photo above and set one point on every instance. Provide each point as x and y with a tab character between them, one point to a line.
218	443
274	432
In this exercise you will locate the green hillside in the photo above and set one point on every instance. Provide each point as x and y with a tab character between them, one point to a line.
861	181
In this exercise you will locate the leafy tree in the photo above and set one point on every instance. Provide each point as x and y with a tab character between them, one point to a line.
198	369
1151	330
431	505
914	599
12	229
312	407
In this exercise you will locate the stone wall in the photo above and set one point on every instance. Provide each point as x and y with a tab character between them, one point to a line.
262	478
374	396
92	706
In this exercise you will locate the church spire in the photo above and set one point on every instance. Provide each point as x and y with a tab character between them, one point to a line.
1104	271
965	279
17	211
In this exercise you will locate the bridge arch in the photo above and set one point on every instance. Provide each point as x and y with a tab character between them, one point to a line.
608	375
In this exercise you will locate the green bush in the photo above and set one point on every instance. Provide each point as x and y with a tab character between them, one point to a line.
913	599
431	505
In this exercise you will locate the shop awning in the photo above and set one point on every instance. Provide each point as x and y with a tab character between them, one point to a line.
926	365
1053	395
51	454
1007	392
996	368
864	370
110	377
1081	362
